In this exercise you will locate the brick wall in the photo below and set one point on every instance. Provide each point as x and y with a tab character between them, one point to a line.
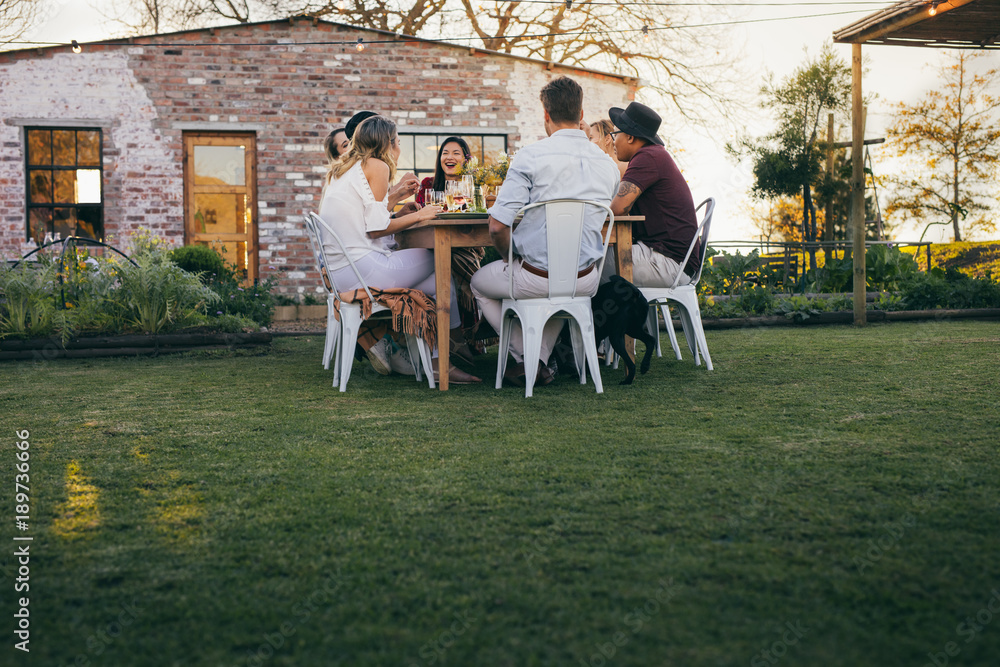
145	95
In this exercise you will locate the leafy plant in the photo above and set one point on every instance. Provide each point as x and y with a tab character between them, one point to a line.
28	307
730	273
798	308
886	268
757	300
202	260
157	294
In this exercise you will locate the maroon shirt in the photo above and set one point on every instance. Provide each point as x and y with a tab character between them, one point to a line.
671	222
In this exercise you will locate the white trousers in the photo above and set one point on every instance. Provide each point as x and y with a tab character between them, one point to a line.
412	268
491	285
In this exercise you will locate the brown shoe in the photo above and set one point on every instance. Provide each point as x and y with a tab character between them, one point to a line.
458	376
545	375
514	374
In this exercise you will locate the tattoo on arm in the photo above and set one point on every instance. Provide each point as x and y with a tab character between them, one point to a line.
626	189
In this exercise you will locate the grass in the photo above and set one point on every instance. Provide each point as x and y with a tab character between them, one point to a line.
827	495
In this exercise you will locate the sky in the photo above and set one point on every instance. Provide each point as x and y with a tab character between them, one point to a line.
895	74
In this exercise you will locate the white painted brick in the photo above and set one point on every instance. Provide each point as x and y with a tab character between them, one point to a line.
459	107
446	122
303	197
352	77
196	81
491	82
264	254
471	103
418	114
135	51
251	82
449	61
487	115
293	147
483	123
294	176
343	56
234	119
319	170
317	148
213	118
278	246
436	100
268	211
303	184
491	68
261	204
401	114
430	73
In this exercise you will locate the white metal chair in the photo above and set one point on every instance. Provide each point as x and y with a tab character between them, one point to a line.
564	219
686	297
342	334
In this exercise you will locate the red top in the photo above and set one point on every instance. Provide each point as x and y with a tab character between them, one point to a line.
671	221
426	184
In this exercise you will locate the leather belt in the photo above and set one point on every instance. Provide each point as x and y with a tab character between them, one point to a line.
545	274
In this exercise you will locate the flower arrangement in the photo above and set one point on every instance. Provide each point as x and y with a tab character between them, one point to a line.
492	173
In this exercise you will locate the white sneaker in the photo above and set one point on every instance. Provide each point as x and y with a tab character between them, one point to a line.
378	355
400	362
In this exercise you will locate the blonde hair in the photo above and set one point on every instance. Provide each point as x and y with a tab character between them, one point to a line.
603	127
372	139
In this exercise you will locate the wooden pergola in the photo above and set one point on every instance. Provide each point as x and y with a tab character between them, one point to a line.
954	24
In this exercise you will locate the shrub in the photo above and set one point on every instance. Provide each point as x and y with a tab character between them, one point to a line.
254	302
202	260
886	268
28	308
949	289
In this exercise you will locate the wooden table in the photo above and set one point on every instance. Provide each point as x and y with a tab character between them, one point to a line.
441	235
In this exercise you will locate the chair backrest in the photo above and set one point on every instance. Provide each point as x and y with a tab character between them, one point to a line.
564	220
316	243
701	236
320	227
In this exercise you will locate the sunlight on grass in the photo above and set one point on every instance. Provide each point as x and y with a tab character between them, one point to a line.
179	509
79	513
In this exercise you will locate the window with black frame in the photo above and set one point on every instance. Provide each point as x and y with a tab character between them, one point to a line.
64	176
419	150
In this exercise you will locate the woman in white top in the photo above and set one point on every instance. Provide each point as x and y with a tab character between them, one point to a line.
600	134
355	205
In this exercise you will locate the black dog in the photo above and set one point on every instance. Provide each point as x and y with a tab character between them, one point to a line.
621	310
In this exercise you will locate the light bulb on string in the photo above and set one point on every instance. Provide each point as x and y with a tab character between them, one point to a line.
569	4
933	10
76	47
645	33
361	44
341	5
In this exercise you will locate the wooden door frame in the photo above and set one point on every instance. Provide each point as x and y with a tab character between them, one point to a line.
249	139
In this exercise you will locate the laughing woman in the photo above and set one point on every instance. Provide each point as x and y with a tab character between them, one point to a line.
355	206
452	156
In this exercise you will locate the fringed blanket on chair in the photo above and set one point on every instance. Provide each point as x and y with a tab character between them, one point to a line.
412	312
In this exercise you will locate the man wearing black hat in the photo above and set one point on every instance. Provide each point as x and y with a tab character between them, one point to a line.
653	187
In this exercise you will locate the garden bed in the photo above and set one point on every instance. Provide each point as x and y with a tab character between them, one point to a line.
129	345
847	317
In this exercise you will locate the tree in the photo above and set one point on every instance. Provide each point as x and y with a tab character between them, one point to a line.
953	136
686	66
16	18
786	162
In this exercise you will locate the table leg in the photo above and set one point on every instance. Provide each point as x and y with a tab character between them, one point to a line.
623	259
442	279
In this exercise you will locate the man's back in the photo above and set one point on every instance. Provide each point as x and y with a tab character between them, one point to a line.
565	165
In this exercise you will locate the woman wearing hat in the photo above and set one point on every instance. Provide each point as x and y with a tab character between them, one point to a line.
653	187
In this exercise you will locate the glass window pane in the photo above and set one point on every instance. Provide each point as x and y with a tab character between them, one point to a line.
65	187
88	186
39	223
425	147
39	147
476	146
64	147
493	146
40	190
88	147
406	153
89	223
220	213
219	165
64	221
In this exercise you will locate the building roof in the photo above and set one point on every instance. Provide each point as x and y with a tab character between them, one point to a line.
961	24
386	35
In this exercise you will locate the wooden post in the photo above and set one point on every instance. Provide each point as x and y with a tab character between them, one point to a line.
828	213
858	187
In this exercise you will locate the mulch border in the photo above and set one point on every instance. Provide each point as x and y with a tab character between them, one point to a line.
129	346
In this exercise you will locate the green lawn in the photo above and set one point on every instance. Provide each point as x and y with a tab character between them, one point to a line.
828	495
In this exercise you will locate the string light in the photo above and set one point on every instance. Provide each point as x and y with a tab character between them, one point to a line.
341	5
76	47
569	4
933	10
361	44
645	33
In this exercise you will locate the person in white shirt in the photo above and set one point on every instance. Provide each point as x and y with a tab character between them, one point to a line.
355	205
566	165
